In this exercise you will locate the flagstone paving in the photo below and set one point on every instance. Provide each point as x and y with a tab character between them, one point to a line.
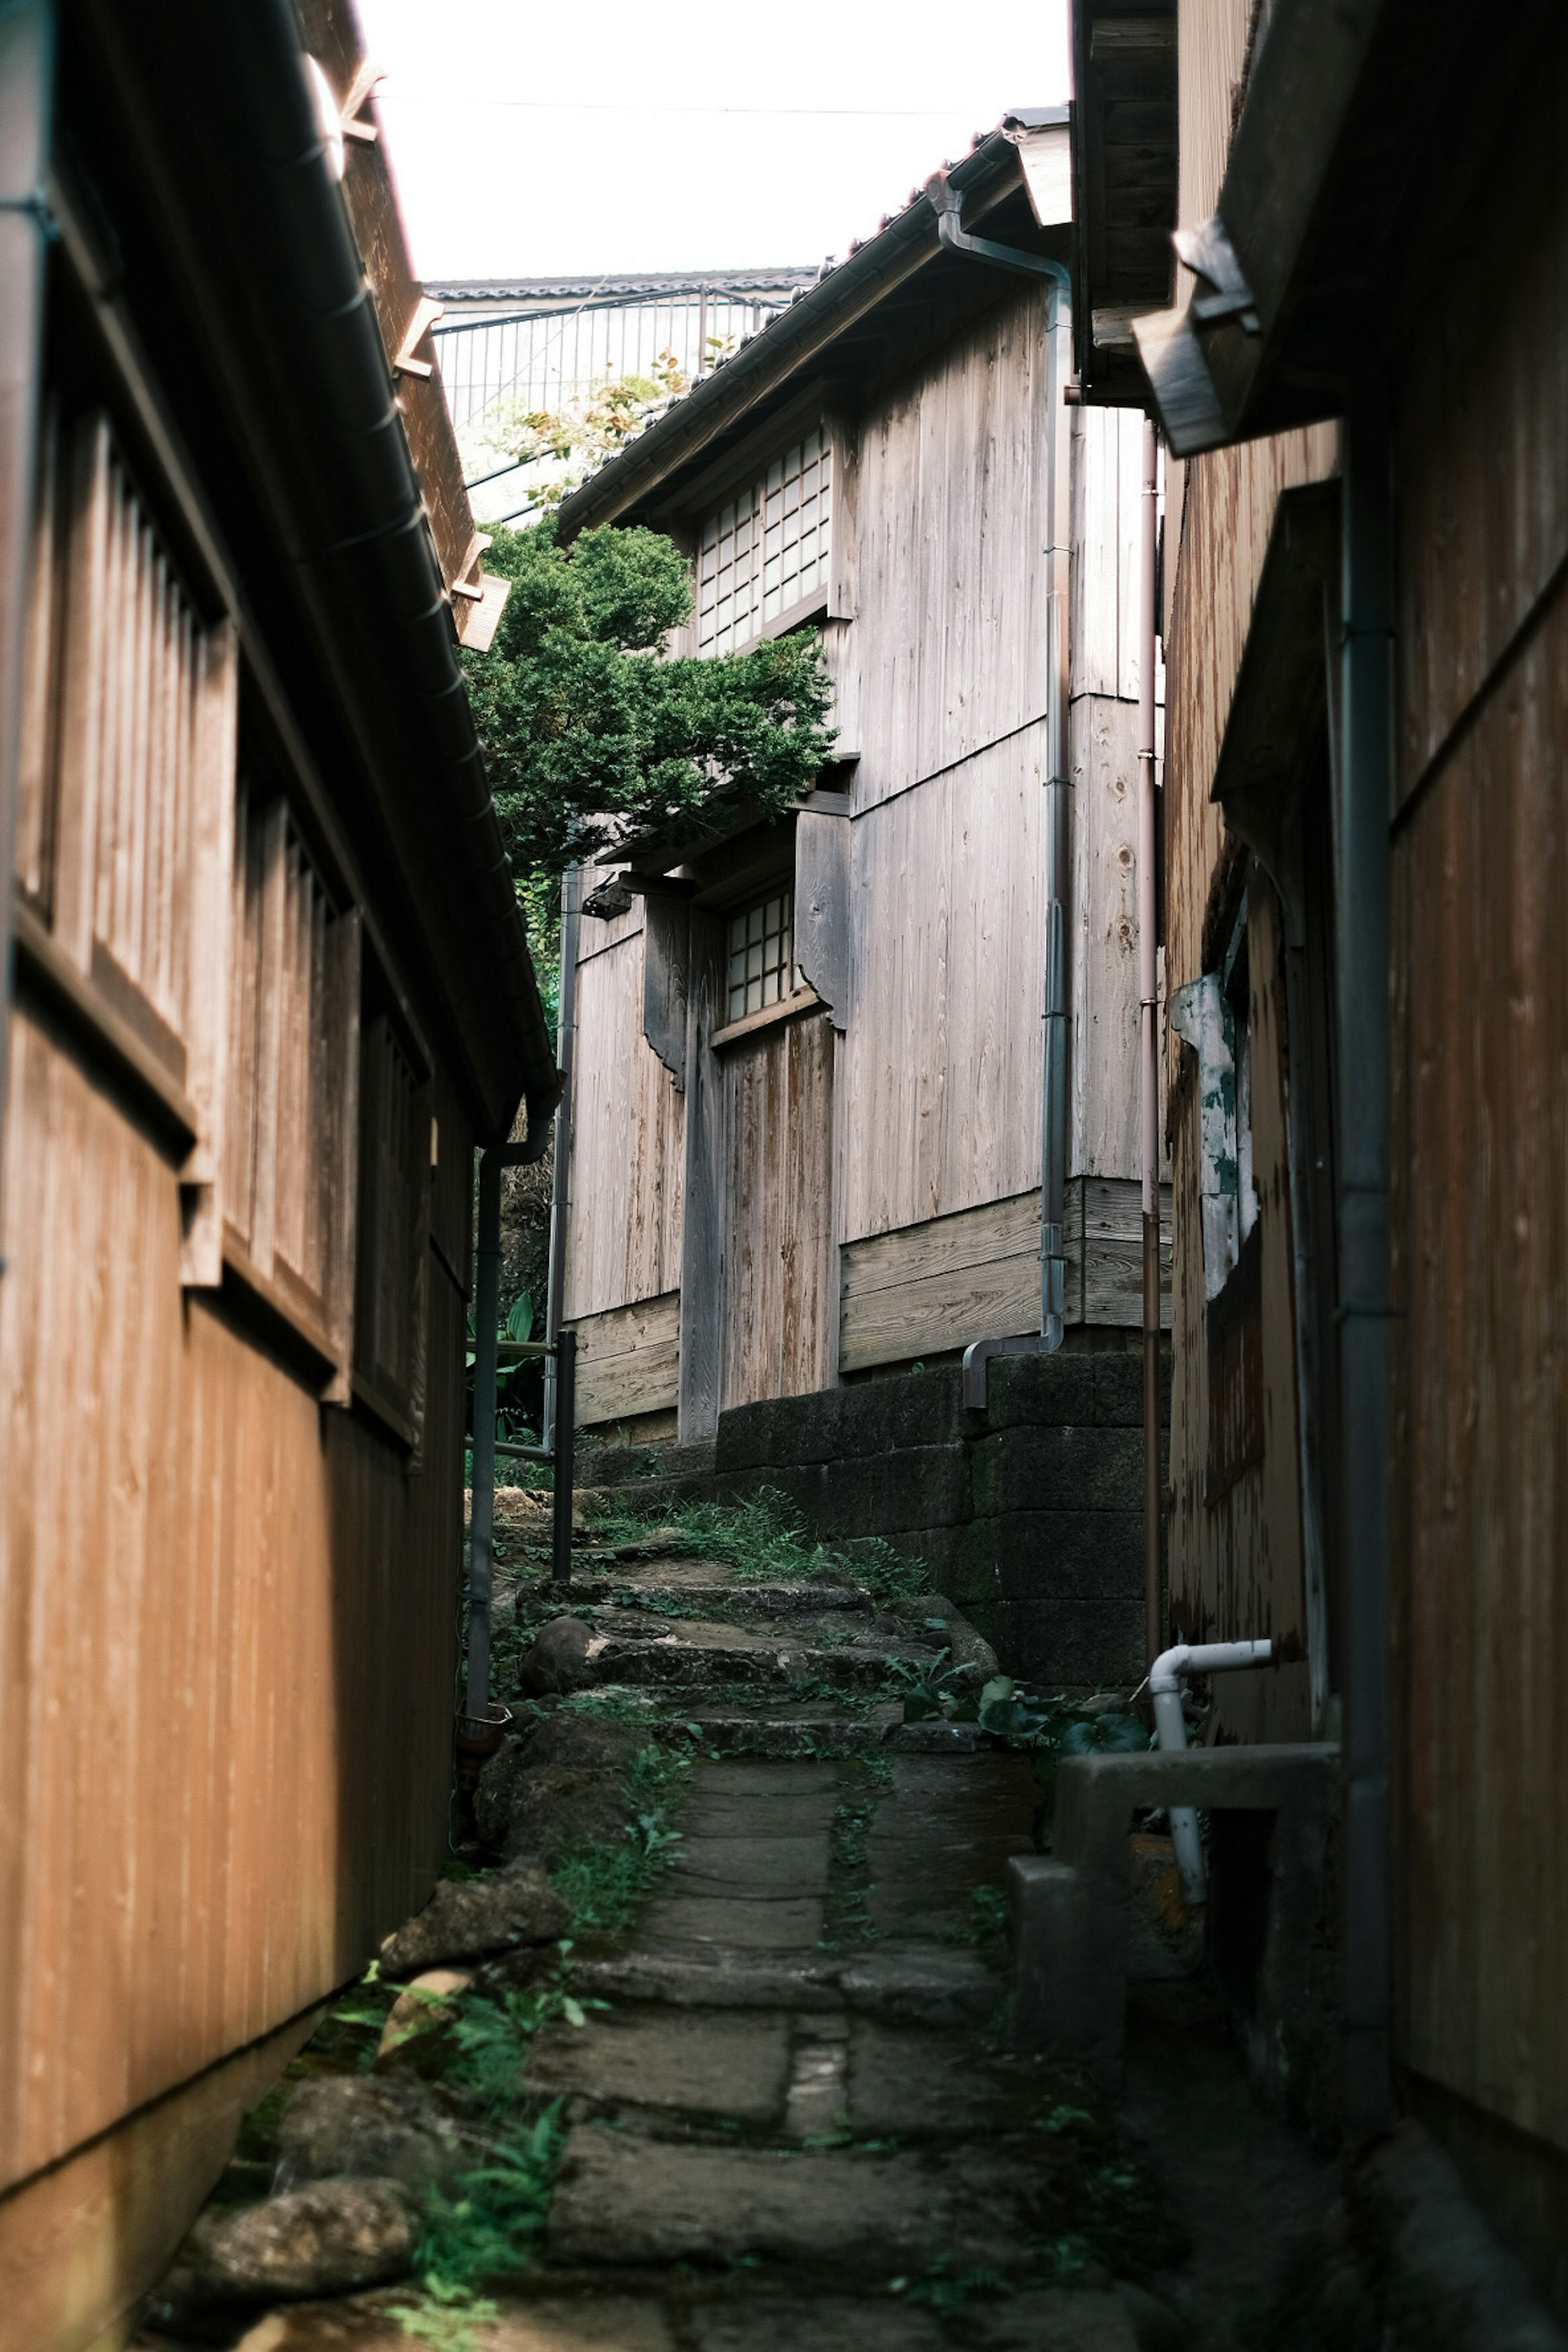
794	2125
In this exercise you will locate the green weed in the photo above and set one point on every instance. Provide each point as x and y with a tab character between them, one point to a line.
606	1884
765	1540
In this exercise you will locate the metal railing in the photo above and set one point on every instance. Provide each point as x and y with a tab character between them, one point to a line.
489	1351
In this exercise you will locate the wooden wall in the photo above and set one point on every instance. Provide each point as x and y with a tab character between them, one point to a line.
1480	1146
226	1651
779	1298
628	1145
941	676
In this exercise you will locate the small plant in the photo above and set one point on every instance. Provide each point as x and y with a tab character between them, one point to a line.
765	1540
606	1884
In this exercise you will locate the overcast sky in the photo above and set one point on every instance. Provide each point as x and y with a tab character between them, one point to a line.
698	134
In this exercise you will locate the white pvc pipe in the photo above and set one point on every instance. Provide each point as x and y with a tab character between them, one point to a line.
1171	1732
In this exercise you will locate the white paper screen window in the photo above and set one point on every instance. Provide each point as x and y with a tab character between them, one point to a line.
762	955
767	549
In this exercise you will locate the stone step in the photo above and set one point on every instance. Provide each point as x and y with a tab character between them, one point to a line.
929	1984
866	2216
699	1655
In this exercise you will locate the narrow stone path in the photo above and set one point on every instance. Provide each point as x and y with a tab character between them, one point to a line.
790	2116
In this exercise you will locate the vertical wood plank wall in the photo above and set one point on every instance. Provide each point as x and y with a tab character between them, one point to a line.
778	1122
226	1647
628	1147
1235	1565
1480	1146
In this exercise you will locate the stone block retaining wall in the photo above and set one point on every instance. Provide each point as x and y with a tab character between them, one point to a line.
1029	1515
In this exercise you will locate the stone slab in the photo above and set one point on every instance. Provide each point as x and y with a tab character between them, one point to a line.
747	1923
621	2199
935	1984
827	2323
1054	2319
753	1864
719	1979
920	2082
695	2062
554	2324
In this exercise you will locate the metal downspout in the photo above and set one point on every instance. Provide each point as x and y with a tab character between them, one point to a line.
27	80
1149	1049
1362	798
1059	845
1059	804
560	1182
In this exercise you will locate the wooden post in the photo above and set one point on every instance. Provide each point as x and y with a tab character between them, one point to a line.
481	1524
565	1455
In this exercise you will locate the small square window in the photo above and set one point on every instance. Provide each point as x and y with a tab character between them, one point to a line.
762	955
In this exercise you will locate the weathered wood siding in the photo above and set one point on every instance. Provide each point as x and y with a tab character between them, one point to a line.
779	1304
1480	1142
949	608
629	1134
227	1648
944	1045
926	1290
1235	1554
628	1360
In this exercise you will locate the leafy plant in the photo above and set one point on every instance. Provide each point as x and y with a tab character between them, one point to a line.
590	733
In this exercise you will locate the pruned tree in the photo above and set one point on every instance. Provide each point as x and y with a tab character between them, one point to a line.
590	734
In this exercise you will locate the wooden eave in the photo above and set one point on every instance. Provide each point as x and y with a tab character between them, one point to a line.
1124	186
1285	680
1360	117
229	252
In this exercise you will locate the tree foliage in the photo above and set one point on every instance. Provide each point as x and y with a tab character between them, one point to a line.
589	734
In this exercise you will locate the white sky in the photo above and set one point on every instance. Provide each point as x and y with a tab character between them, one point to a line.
701	134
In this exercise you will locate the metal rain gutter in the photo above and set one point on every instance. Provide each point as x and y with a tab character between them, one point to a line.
27	79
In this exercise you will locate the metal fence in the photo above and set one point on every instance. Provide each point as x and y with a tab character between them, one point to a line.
544	343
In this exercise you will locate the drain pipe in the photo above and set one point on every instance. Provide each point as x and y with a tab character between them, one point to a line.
1058	806
1361	796
1171	1732
1149	1048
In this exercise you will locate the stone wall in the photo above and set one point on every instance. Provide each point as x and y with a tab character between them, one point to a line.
1029	1515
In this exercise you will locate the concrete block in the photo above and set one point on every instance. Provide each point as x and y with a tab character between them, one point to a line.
1037	1391
1069	1952
1064	1555
1119	1392
887	1494
1073	1644
917	1409
1078	1468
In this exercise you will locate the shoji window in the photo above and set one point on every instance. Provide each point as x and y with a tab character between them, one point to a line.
768	549
126	773
395	1145
290	1133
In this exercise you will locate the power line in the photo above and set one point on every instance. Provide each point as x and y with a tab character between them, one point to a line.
629	106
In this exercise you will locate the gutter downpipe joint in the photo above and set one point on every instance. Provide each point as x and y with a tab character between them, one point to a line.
1059	804
1171	1732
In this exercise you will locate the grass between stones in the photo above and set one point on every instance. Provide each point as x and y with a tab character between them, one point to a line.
765	1540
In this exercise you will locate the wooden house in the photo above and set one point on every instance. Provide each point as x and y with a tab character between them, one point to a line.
808	1097
267	988
1360	370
